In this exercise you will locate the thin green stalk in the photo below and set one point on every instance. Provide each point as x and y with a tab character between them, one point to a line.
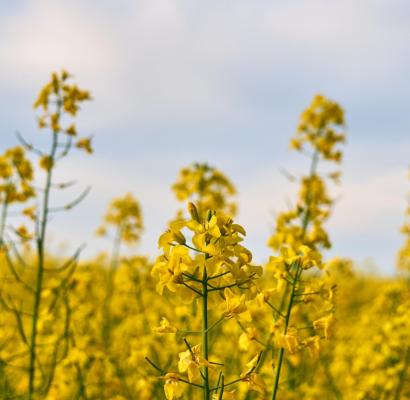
106	313
205	332
40	269
299	270
306	217
287	319
110	286
116	249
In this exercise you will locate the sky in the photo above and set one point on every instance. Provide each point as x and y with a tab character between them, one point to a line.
223	82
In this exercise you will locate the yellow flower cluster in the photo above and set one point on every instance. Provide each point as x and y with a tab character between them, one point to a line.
218	254
320	126
56	98
304	223
207	187
58	90
16	176
124	213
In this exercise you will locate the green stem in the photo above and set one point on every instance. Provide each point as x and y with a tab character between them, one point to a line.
116	249
287	319
299	270
115	257
40	269
205	332
306	217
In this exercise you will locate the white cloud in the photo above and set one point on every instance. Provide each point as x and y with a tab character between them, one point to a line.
48	35
169	60
372	204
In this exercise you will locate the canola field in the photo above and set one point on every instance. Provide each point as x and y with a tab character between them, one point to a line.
199	319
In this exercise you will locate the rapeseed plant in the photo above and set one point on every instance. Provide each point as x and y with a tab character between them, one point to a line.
210	267
300	234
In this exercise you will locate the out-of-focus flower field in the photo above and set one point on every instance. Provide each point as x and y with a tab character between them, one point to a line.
199	319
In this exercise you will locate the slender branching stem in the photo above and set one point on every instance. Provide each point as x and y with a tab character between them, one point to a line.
205	332
115	258
287	319
40	269
305	223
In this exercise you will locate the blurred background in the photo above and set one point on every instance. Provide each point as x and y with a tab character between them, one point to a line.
222	82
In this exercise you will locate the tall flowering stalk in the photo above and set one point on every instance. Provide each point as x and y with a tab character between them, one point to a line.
300	234
203	261
125	218
202	256
58	100
211	264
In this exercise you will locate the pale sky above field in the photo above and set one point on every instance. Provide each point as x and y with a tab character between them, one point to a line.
223	82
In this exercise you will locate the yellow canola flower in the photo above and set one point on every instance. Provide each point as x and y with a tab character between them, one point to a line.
85	144
264	296
235	306
71	130
254	381
247	338
191	361
289	341
169	270
30	212
172	235
309	258
210	227
173	388
55	122
46	163
305	257
326	323
313	344
24	233
252	364
5	168
206	235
